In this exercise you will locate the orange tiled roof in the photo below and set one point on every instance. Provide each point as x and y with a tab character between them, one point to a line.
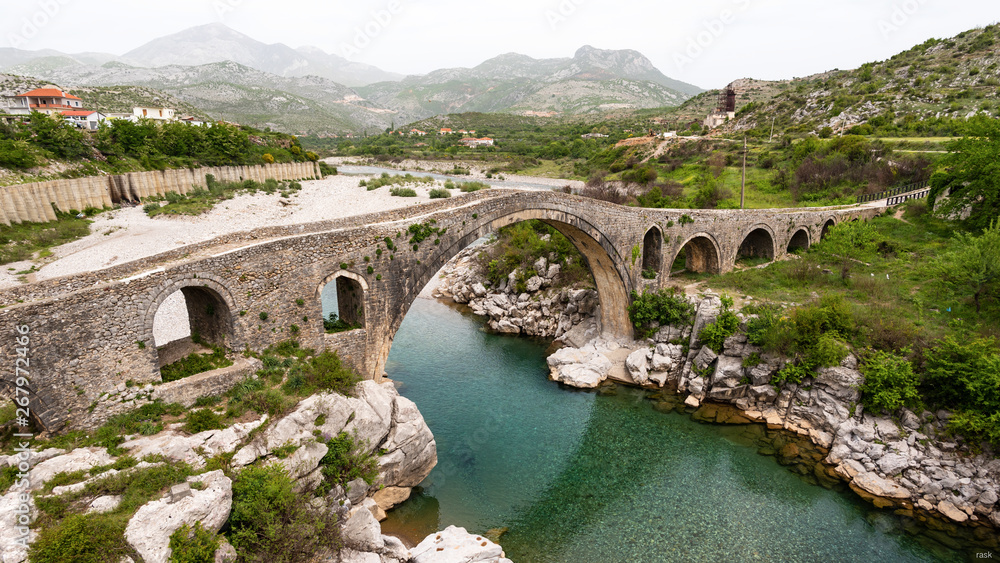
47	93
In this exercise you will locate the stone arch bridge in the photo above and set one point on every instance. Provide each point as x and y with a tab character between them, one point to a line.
92	332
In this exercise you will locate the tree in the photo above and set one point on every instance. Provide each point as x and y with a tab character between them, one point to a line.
972	267
973	179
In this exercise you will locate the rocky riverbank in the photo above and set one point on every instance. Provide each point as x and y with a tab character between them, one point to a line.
389	425
545	309
911	463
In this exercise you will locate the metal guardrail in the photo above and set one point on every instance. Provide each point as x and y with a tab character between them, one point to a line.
916	186
906	197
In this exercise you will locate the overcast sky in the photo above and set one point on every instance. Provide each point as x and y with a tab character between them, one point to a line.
705	42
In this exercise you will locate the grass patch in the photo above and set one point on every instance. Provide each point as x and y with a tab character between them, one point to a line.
20	241
440	193
194	364
468	187
394	180
202	200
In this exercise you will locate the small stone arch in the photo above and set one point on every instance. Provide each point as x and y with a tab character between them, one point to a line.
210	307
799	241
830	223
701	254
351	290
652	250
758	243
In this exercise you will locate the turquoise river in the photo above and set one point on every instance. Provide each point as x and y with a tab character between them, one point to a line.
585	477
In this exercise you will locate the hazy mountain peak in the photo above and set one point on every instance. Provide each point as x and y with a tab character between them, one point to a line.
216	42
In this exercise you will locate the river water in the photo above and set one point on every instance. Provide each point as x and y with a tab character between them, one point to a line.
583	477
353	170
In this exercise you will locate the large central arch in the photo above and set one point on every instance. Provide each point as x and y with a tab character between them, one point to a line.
606	265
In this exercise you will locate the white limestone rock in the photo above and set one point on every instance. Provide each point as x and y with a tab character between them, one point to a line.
411	451
456	545
14	534
80	459
708	310
150	528
728	372
842	383
177	446
585	369
362	532
104	504
637	365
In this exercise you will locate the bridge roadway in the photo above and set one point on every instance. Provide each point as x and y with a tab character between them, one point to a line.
92	332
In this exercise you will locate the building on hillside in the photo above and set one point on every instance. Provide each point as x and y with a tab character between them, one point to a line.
418	132
45	100
473	142
159	114
593	136
85	118
445	131
725	109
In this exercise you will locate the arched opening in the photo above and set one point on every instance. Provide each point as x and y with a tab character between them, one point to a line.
757	246
192	319
343	299
826	228
607	299
800	241
699	254
652	253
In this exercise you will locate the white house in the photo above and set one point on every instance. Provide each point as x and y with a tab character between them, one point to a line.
85	118
471	142
45	100
159	114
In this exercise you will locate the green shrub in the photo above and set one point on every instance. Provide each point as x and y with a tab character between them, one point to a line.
714	334
90	538
402	192
193	545
652	310
326	372
964	375
335	324
468	187
977	426
202	420
890	382
439	193
348	460
271	523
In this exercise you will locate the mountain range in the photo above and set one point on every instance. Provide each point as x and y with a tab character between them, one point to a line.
231	76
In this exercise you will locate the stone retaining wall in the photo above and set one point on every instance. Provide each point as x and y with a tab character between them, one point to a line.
35	202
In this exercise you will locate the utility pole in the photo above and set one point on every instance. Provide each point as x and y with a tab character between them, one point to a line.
743	187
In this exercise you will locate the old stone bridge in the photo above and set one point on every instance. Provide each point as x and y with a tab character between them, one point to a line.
92	333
